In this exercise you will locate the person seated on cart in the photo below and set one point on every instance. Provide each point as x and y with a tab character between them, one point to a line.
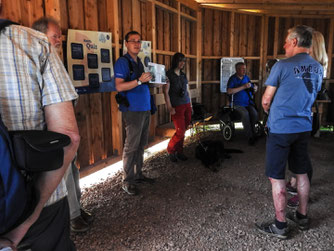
241	90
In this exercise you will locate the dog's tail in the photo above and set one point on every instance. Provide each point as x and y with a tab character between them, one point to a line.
233	151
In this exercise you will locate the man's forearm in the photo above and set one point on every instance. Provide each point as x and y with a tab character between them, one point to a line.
45	185
267	97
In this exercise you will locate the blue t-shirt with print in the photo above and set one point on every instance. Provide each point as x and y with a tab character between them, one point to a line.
138	97
240	98
298	80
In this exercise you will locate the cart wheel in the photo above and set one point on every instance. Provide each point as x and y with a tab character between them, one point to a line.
259	129
227	132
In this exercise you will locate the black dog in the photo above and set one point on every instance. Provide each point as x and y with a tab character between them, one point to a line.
212	153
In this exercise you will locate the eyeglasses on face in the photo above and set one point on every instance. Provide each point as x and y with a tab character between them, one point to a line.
134	41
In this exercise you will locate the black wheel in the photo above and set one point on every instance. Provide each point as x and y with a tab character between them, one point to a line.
258	129
227	132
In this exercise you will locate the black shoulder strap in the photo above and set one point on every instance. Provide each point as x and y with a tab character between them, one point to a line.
130	64
5	23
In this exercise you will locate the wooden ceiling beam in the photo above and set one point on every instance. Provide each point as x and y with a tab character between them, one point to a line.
264	1
276	6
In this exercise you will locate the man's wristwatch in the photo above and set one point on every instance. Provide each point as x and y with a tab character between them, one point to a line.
139	82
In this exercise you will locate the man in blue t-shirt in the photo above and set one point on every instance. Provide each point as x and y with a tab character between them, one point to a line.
292	87
240	86
136	111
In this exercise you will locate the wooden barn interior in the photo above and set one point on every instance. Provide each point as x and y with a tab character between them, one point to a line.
204	30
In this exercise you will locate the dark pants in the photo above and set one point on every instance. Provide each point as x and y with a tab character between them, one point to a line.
51	232
249	117
137	126
181	120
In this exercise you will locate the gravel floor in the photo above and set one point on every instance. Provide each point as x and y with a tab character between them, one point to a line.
192	208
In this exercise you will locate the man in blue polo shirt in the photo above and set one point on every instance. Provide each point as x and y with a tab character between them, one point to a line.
240	86
135	105
292	87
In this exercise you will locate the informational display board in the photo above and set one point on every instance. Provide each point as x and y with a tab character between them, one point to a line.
89	61
144	54
227	69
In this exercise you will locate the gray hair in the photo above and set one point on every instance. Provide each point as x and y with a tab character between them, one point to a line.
303	34
43	23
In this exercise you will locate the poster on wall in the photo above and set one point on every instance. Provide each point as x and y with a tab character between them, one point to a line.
227	69
89	60
144	54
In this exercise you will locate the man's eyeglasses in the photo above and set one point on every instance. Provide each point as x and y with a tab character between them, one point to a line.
134	41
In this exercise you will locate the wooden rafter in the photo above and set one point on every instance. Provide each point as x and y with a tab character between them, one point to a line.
287	7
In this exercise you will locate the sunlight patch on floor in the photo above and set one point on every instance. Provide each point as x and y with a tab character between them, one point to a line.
109	171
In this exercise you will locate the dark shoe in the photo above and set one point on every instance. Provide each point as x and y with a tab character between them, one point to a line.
181	156
271	230
144	179
130	189
78	225
291	190
303	224
293	202
87	216
172	157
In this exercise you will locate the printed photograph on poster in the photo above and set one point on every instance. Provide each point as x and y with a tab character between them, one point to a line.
89	60
227	69
158	73
144	54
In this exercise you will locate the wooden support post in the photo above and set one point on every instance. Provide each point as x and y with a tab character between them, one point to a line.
179	37
330	49
232	34
153	123
199	55
116	116
263	58
276	37
154	35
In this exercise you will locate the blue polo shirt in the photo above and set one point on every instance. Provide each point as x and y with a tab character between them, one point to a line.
240	98
138	97
298	80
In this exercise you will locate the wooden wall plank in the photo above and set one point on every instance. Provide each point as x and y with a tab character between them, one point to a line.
75	14
243	36
143	24
252	37
95	100
160	31
232	33
125	19
217	38
102	15
52	8
31	11
12	10
136	17
199	55
276	34
83	119
330	49
225	41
